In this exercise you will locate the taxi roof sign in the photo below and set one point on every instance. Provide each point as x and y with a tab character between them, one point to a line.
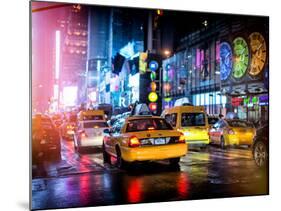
182	102
141	109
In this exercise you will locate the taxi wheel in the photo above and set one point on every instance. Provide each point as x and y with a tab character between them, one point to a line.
260	154
122	164
106	156
222	143
76	145
77	149
174	161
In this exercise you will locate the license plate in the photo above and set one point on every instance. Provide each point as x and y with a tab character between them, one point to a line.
159	141
70	132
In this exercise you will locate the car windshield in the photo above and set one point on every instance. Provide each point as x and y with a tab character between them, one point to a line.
212	120
147	124
192	119
239	123
92	117
95	124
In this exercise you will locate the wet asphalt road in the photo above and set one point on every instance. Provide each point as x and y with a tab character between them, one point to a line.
84	180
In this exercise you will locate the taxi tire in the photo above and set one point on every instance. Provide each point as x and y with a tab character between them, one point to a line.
120	163
260	154
174	161
106	156
77	148
222	143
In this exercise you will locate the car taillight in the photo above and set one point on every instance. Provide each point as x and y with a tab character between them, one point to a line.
181	138
83	134
230	131
134	142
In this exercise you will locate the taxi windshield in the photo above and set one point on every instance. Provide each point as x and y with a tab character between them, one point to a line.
92	117
147	124
212	120
95	124
239	123
192	119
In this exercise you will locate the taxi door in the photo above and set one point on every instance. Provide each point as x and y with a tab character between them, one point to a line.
114	137
109	141
216	132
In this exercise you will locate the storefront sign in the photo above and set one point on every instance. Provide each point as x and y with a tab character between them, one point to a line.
142	63
263	100
251	101
236	101
153	65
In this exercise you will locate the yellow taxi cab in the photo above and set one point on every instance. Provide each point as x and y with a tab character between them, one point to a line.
143	138
232	132
191	120
91	115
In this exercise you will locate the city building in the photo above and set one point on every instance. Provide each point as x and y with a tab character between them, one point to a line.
115	40
74	32
223	66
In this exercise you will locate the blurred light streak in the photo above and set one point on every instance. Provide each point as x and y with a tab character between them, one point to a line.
70	95
57	69
56	91
135	190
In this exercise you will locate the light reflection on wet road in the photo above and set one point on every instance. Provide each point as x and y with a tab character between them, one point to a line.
83	180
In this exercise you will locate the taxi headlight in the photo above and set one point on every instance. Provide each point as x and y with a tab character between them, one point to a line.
186	133
182	138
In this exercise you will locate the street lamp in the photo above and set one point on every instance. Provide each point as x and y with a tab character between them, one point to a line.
167	53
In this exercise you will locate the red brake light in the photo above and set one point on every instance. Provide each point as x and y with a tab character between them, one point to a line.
69	127
83	134
181	138
134	142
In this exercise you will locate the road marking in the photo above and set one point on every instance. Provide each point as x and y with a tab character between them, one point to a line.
232	154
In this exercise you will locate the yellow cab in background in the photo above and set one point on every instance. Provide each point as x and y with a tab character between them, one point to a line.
191	120
87	115
232	132
143	137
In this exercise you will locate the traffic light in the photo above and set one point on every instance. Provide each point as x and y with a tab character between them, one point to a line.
150	92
